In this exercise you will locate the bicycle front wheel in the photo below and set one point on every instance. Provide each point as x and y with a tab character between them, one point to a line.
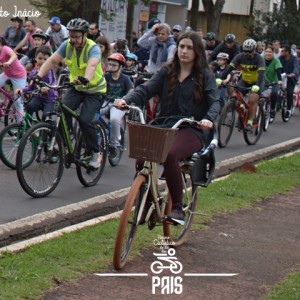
267	113
10	138
42	176
87	175
226	124
179	233
128	223
120	150
252	137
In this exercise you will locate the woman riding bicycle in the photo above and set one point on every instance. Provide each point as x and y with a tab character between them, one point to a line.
186	87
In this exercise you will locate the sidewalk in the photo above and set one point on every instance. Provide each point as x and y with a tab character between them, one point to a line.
261	245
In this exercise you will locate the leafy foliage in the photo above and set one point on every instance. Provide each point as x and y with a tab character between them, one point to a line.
279	25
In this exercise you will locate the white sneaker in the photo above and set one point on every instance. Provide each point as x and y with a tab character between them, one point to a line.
95	160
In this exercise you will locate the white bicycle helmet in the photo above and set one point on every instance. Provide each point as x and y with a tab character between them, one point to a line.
249	45
223	55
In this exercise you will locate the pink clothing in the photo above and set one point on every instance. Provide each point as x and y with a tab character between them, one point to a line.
16	69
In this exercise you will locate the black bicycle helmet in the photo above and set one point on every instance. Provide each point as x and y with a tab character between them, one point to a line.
78	24
210	36
229	38
41	35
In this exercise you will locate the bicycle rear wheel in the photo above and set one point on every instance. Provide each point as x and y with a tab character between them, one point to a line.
252	137
87	175
120	150
128	223
226	124
179	233
10	138
42	176
285	119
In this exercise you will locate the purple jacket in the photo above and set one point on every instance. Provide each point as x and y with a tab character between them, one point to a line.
48	78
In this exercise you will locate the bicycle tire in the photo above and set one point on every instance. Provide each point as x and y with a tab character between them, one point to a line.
226	123
283	110
86	175
128	223
252	137
177	234
10	138
43	175
120	150
267	113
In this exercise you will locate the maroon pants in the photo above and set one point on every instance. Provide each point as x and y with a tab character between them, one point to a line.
184	145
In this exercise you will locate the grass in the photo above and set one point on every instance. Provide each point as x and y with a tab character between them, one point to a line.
27	274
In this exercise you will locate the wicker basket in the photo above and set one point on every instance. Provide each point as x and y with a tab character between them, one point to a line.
149	142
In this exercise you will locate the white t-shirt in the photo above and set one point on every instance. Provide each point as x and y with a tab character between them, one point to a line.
58	36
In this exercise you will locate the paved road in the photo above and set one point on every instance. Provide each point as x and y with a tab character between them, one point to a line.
16	204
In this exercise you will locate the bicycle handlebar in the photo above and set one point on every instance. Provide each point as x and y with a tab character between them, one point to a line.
57	87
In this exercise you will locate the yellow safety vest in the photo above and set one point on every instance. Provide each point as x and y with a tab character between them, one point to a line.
78	67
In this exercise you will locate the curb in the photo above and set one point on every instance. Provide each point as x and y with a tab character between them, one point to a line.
55	219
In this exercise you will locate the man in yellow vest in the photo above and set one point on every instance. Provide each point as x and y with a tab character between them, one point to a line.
83	58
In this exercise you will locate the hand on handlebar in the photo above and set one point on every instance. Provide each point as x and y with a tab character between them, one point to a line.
205	124
120	104
82	80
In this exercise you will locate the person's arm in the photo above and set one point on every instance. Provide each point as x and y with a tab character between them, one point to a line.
145	40
12	57
212	95
22	43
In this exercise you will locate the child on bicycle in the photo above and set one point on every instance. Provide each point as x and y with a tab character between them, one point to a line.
130	67
118	85
45	99
186	87
12	70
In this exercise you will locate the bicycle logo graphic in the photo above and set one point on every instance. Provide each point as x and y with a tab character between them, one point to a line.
173	265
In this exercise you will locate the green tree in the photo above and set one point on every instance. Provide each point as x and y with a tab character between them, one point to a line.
279	25
68	9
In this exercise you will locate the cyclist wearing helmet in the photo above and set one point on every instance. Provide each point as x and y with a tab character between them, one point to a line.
222	63
118	85
83	58
229	46
40	38
130	68
211	43
252	67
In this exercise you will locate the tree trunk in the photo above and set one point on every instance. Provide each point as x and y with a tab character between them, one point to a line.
130	11
213	14
194	14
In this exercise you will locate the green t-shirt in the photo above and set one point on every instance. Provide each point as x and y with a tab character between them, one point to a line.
271	69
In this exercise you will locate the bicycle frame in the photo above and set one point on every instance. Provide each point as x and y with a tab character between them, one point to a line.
242	107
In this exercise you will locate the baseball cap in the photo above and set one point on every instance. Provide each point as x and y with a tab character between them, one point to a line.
54	20
152	22
177	27
17	19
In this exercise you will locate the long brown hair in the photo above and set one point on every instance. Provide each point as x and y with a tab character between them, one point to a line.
200	63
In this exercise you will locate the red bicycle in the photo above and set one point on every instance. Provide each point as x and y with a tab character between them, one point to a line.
238	105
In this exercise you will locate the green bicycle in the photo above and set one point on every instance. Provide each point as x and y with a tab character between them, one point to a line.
51	151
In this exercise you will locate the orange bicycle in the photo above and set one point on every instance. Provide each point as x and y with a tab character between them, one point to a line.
238	105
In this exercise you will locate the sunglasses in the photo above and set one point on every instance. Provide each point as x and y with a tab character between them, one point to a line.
175	30
248	51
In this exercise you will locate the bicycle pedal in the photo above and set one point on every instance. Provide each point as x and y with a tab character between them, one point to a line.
174	221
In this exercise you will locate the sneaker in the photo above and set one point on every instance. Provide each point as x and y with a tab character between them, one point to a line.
95	160
177	216
287	114
54	157
238	124
272	114
248	128
112	152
